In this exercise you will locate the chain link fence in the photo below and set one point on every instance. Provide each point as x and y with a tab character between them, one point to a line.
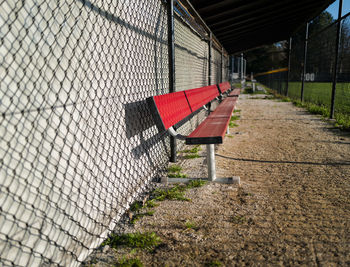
77	141
319	65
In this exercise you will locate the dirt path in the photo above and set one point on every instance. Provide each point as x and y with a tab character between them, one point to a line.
292	208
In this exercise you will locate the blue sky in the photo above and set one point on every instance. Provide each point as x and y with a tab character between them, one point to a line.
333	8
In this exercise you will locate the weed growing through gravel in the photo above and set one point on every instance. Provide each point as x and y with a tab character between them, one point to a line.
237	111
191	225
195	149
136	210
148	240
177	192
191	156
214	263
174	193
125	262
195	183
235	117
174	171
192	153
232	124
238	219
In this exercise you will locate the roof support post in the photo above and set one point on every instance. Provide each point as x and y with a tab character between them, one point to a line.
288	72
171	59
336	55
210	45
222	64
242	67
304	64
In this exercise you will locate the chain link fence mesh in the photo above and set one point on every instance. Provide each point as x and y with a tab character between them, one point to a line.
77	141
319	68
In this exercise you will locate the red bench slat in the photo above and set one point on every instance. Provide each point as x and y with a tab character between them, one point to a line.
213	129
235	92
224	87
172	108
201	96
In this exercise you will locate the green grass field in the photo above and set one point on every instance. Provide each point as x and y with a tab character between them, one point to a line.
320	94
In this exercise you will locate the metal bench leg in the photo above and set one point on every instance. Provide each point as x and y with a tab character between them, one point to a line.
211	162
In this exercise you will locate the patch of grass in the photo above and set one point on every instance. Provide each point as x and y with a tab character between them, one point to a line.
229	136
191	225
174	171
175	193
192	153
319	110
174	168
151	203
136	206
191	156
147	240
238	219
138	216
124	262
232	124
195	183
195	149
342	121
237	111
235	117
214	263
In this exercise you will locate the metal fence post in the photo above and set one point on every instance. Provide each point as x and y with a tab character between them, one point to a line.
288	72
304	66
222	64
242	67
171	58
210	44
335	68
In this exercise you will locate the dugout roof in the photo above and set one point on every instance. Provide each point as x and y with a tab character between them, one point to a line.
243	24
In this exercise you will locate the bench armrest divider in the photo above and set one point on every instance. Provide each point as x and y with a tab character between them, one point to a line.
175	134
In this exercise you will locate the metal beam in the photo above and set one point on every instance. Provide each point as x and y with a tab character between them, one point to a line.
304	66
336	55
171	59
288	72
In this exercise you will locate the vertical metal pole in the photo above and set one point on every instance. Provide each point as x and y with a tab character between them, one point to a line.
336	54
241	67
233	67
211	162
288	72
210	44
245	67
171	58
304	66
222	64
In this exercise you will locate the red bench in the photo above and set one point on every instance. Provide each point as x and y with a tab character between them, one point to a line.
169	109
224	87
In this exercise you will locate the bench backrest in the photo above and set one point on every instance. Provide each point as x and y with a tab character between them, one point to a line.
171	108
223	87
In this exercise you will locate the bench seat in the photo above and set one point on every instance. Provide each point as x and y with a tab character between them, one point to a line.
235	92
213	129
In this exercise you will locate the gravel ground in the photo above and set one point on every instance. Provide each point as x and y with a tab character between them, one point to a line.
292	207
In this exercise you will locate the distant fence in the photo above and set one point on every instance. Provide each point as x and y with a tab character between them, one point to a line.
77	142
314	83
